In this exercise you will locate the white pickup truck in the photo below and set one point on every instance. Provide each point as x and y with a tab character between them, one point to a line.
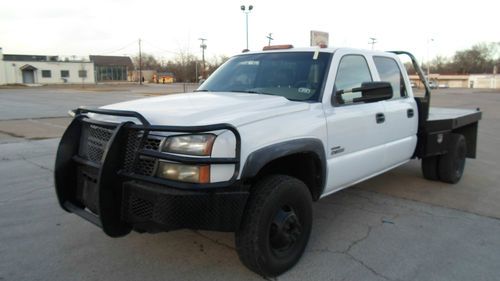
249	151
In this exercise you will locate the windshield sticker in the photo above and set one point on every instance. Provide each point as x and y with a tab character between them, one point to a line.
304	90
316	54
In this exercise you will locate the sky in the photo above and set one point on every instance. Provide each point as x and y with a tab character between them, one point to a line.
113	27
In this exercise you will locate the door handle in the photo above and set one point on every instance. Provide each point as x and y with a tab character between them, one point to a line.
410	113
380	117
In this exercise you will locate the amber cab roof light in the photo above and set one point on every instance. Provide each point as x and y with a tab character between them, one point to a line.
277	47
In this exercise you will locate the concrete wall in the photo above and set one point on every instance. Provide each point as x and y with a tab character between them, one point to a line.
451	81
2	69
489	81
133	75
11	73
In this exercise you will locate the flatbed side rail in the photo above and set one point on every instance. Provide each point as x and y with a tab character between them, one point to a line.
418	70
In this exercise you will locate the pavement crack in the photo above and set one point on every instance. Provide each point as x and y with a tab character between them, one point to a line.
215	241
36	164
356	242
20	197
409	210
369	268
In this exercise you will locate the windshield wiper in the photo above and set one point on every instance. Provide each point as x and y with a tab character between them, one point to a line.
250	92
201	90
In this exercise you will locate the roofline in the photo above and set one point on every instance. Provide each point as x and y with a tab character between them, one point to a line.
313	49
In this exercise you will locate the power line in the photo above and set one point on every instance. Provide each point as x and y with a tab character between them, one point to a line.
119	49
164	50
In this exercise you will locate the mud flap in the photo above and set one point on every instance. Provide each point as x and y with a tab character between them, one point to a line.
108	182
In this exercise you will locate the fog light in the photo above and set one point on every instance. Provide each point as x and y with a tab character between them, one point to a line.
185	173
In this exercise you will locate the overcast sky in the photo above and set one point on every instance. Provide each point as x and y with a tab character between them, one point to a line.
103	27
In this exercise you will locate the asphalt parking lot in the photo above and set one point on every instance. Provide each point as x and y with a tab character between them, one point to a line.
396	226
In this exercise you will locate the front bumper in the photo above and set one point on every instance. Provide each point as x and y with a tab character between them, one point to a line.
105	173
155	208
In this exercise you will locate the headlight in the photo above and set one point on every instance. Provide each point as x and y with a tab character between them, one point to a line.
182	172
199	145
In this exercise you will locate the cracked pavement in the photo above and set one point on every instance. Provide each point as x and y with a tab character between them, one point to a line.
357	235
396	226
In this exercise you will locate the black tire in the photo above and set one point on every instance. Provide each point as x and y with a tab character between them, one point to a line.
451	165
430	168
276	202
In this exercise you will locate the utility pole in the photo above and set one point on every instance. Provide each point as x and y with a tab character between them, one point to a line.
246	11
270	37
140	63
203	46
196	69
372	42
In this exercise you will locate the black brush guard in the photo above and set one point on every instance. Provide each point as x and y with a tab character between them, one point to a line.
97	190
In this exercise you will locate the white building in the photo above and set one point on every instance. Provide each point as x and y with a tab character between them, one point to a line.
36	69
491	81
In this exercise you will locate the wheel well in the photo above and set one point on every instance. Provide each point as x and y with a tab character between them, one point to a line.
303	166
470	134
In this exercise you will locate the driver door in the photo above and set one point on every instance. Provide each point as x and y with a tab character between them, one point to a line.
356	143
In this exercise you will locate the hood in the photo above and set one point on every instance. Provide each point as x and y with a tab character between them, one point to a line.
194	109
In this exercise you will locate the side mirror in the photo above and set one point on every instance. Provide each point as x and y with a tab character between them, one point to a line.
370	92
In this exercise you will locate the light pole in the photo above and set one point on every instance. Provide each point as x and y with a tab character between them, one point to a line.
140	63
429	59
203	46
246	10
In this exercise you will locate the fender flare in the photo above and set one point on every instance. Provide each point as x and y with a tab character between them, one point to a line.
261	157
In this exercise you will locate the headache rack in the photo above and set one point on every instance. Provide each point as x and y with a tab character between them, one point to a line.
95	158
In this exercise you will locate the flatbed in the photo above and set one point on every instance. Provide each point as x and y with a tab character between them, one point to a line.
443	119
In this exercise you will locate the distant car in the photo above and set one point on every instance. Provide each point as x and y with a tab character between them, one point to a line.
433	85
443	86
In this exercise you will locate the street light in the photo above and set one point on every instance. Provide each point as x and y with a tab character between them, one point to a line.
246	10
203	46
428	59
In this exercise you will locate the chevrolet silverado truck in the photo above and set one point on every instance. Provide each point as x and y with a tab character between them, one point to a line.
250	150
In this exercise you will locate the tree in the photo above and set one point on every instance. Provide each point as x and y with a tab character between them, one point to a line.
442	65
215	62
478	59
149	62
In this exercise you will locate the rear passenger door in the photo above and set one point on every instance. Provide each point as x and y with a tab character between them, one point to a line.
400	112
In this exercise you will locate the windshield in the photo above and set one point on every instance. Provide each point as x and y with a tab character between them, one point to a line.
296	76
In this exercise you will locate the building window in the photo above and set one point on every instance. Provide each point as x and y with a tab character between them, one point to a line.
64	73
82	73
111	73
46	74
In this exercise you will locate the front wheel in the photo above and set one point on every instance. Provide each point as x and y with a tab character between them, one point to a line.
276	225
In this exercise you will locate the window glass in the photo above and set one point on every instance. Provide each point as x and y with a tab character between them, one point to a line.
389	71
352	72
46	74
297	76
64	73
82	73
